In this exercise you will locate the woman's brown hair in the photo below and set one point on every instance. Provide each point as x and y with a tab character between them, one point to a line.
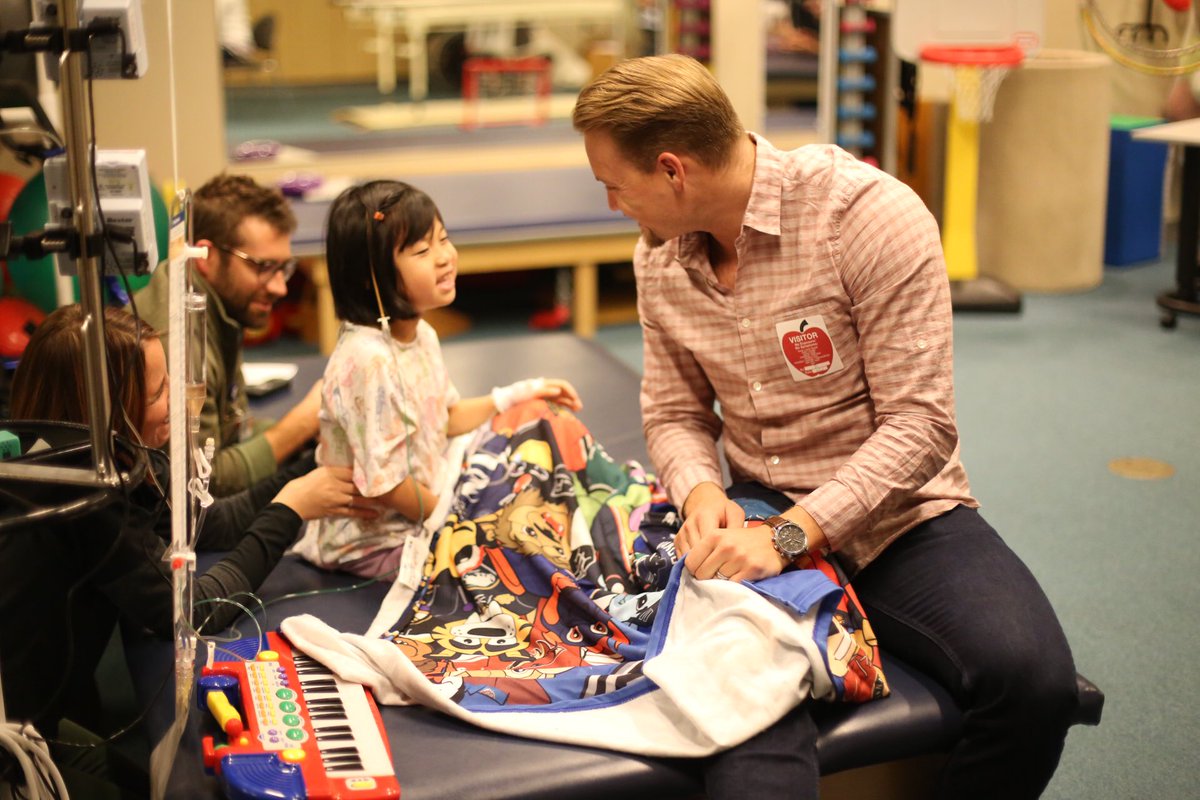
49	382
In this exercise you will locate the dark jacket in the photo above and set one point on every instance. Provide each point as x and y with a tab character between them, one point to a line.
64	585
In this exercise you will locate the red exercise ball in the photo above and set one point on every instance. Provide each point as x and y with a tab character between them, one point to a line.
18	320
10	186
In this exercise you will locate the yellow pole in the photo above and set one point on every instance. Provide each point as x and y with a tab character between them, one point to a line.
961	188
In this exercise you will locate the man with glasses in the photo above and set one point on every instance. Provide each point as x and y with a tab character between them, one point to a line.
247	229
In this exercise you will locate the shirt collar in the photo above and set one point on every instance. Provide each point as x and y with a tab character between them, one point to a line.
762	212
691	247
766	194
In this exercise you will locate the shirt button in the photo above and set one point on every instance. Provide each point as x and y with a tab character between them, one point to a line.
746	322
920	344
757	386
774	460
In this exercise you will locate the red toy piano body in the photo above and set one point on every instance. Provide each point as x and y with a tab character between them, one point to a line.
295	730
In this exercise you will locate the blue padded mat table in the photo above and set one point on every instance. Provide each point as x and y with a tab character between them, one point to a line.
439	757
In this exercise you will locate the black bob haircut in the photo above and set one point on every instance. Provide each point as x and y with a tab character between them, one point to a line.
366	225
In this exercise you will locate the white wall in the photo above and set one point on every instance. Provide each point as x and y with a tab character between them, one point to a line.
739	47
137	113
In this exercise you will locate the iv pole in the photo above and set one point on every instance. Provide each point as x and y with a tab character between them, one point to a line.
84	216
84	239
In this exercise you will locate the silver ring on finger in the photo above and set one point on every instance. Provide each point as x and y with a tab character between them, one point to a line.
721	576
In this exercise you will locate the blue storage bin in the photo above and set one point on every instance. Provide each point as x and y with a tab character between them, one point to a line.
1133	224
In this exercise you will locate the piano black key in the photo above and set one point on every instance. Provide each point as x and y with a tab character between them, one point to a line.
334	751
318	714
328	730
327	708
339	753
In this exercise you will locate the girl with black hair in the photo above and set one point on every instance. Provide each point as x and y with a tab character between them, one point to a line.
388	406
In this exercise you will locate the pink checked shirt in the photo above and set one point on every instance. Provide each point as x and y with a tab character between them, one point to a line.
830	358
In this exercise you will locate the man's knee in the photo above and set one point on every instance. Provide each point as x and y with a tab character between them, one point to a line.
1034	684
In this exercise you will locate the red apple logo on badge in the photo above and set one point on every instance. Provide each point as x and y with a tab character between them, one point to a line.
809	350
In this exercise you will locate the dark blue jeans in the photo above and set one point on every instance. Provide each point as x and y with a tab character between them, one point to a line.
951	599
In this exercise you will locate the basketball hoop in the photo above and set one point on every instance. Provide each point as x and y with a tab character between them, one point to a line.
978	72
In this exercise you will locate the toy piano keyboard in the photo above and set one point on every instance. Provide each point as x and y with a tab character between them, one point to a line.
301	731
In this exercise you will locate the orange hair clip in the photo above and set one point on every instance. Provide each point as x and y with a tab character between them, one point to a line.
378	216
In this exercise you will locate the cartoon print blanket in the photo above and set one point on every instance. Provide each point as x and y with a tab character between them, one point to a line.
552	607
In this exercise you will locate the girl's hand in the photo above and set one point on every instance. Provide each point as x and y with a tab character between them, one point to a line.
560	391
326	492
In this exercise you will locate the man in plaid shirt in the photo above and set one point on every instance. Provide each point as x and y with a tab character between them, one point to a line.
805	294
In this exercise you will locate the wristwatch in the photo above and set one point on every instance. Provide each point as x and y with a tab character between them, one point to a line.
789	539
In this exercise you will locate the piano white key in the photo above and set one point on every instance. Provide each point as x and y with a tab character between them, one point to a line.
347	735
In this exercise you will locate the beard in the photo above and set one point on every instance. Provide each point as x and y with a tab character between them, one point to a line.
253	319
242	302
246	311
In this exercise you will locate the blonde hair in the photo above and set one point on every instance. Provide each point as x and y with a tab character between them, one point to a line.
657	104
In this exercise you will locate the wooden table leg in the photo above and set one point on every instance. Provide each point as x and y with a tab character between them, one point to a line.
586	298
327	321
385	54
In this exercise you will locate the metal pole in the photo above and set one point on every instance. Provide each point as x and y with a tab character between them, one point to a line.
79	168
828	69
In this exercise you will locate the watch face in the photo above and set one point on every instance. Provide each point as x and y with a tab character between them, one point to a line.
791	540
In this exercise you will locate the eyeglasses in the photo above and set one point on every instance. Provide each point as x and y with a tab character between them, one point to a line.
266	269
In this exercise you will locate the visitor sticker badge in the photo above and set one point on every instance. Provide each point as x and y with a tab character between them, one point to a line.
807	348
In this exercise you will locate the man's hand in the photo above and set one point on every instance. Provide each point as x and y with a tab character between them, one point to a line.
736	554
307	409
707	509
715	544
298	426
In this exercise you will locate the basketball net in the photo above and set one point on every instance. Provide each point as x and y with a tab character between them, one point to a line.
975	89
978	72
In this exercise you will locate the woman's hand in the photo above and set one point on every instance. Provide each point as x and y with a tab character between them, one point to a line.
326	492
